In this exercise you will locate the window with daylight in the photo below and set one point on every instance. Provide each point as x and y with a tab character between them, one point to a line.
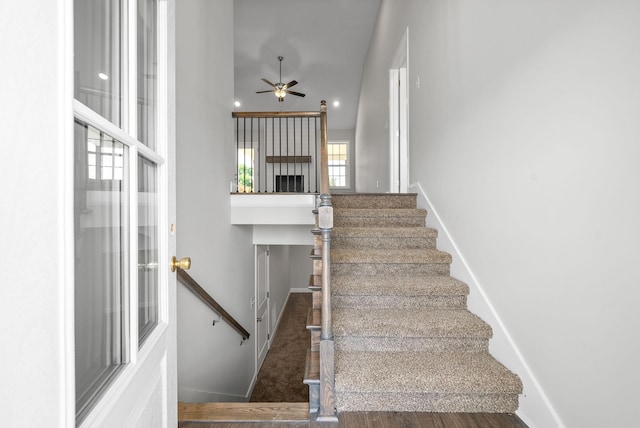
338	164
245	171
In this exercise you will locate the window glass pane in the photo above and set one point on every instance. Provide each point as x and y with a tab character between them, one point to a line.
337	153
97	56
147	71
245	170
147	248
101	263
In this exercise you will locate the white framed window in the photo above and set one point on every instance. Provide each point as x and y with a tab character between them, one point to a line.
118	168
338	152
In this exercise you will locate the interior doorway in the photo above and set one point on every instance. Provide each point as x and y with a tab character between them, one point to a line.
398	118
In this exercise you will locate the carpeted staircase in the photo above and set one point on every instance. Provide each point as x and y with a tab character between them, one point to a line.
404	339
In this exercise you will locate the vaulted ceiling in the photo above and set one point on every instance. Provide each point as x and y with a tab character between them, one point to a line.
324	44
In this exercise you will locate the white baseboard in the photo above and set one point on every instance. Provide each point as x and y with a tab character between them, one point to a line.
299	290
535	408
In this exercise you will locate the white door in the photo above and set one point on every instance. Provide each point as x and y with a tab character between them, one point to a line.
124	216
263	332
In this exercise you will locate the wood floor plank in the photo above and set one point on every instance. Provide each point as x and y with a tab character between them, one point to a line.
491	420
400	420
374	419
240	412
353	420
429	420
383	420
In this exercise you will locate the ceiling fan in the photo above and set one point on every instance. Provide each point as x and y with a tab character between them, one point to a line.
281	89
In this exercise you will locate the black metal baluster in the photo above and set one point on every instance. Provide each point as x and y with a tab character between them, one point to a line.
317	149
286	122
244	153
309	152
259	163
237	154
280	153
273	152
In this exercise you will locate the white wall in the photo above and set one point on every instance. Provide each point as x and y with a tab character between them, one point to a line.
36	267
289	270
279	283
524	134
300	266
211	363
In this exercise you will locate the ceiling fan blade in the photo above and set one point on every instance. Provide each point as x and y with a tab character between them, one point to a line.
264	92
268	83
290	84
297	94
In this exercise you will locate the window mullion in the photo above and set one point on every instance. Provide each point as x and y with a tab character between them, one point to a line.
130	64
162	147
134	256
130	70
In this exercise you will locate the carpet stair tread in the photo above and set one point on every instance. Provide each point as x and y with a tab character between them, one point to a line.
389	255
392	285
384	232
397	323
438	372
374	200
379	213
384	237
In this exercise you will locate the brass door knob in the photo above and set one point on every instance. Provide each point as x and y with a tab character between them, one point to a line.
184	263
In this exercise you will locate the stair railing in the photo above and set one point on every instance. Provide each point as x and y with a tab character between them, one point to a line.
193	286
277	152
327	411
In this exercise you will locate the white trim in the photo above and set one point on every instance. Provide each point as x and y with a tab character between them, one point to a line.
66	257
130	65
162	147
534	403
90	117
132	319
299	290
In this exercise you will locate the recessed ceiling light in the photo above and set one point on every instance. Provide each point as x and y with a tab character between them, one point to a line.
336	103
237	104
103	76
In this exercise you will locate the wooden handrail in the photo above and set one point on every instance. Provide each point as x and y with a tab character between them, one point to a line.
277	113
202	294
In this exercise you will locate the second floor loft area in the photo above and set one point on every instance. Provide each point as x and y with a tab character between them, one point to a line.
279	152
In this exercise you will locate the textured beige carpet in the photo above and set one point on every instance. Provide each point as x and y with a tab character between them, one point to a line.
404	339
280	378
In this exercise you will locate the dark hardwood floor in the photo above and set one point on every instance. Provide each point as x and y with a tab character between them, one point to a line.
388	420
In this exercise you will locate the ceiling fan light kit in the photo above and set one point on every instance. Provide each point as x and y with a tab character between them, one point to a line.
280	89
